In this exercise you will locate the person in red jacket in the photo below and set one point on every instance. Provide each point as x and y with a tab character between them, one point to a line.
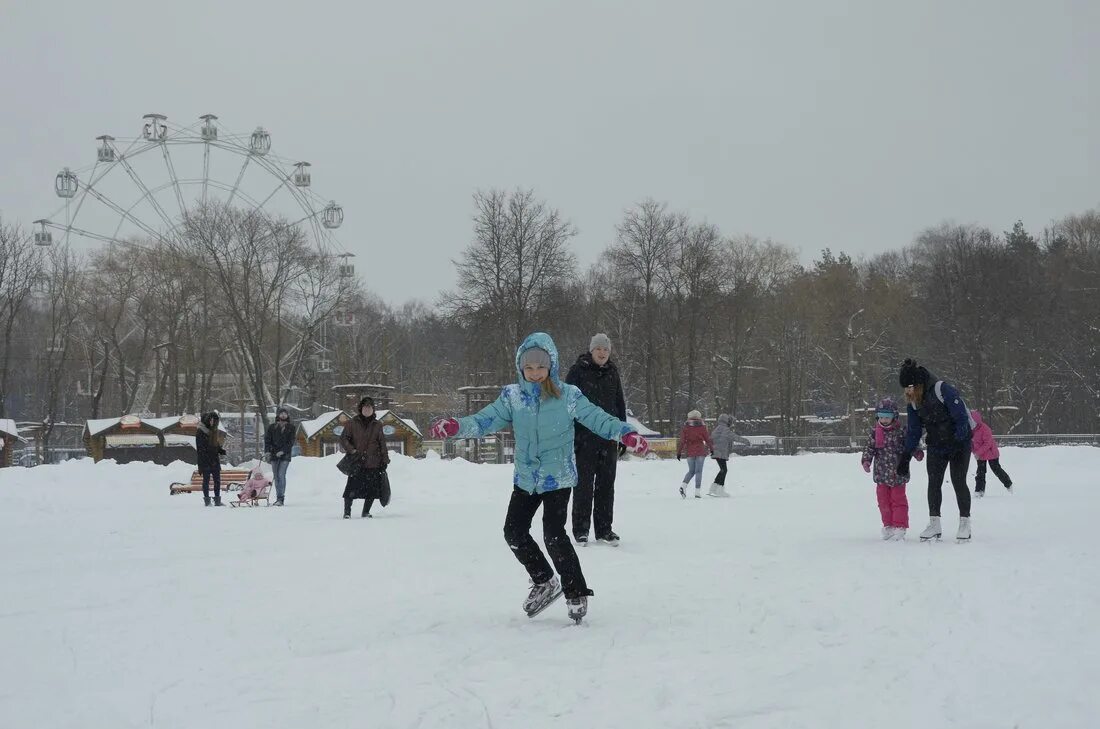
695	444
985	449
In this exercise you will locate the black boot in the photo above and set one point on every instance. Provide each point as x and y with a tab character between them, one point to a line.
347	508
206	500
218	501
366	508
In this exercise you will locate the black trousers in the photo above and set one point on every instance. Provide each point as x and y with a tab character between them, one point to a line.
959	463
595	486
720	479
517	532
995	464
217	478
367	503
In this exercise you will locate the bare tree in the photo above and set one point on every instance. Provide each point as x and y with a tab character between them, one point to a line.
20	270
643	241
252	260
519	254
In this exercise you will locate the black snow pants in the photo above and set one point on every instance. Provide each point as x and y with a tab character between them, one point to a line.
720	479
595	484
995	466
517	532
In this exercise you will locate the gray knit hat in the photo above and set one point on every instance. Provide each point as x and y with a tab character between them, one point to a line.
600	340
535	356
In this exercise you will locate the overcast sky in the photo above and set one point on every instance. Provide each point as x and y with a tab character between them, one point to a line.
844	124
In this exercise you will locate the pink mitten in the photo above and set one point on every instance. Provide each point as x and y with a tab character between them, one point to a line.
919	455
444	428
867	466
636	444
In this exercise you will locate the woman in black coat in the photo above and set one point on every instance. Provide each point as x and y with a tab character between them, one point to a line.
208	452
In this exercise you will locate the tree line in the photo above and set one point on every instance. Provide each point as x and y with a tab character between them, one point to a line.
233	310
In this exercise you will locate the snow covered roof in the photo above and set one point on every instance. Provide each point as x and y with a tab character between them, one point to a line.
312	427
95	427
7	427
382	413
643	430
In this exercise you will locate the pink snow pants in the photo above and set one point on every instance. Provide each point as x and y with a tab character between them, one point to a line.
893	505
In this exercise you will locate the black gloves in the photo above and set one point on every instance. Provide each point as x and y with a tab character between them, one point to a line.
677	456
903	465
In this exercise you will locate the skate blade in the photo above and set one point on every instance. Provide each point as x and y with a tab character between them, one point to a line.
546	604
962	540
935	538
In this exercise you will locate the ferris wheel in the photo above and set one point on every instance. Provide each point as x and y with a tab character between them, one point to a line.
143	186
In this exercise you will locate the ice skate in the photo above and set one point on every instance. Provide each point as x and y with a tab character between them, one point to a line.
899	534
541	595
887	533
963	535
578	608
713	489
932	531
698	492
582	540
721	492
610	538
683	493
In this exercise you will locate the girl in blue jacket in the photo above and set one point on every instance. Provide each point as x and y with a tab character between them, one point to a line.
541	410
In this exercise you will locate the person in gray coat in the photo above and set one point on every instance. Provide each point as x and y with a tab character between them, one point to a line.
723	438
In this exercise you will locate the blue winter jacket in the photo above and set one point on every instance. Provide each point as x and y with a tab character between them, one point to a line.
947	422
543	428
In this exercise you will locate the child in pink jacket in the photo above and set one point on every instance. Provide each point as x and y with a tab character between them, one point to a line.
255	484
885	447
984	447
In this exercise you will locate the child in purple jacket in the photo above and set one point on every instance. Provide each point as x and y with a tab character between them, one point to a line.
885	446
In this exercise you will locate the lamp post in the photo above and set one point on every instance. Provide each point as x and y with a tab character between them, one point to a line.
852	377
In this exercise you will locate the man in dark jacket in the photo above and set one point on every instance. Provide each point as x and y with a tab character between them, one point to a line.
937	410
598	379
278	443
208	452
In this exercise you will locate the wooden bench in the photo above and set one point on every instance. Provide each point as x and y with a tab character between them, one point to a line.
232	480
265	490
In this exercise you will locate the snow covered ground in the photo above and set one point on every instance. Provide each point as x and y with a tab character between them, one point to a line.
779	607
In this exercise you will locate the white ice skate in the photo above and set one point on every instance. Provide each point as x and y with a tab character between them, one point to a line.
698	492
721	492
963	535
932	531
887	533
713	489
683	492
578	608
899	534
541	595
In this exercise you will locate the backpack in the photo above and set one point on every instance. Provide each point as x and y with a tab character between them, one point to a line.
939	395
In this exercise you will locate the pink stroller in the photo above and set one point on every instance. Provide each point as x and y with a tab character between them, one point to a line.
257	487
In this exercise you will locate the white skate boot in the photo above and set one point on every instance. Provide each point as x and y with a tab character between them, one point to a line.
963	535
721	492
713	489
683	492
541	595
887	533
698	492
933	530
899	534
